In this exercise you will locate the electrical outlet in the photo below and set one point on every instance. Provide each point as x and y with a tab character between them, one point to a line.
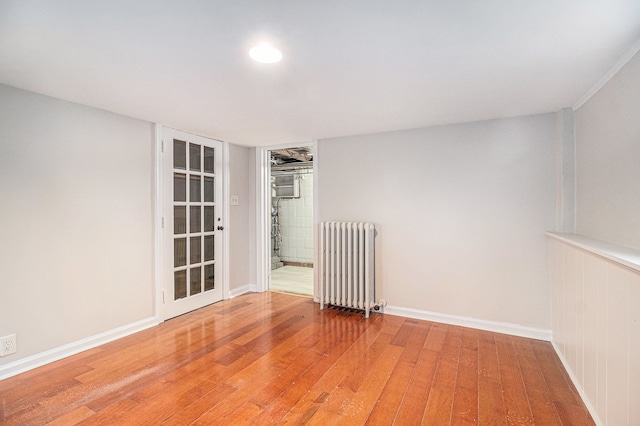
8	345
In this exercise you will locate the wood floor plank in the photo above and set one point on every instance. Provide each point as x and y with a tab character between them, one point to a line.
416	393
514	390
542	406
243	414
274	358
464	410
298	367
439	407
24	391
240	397
322	418
491	408
114	414
465	401
194	410
367	396
367	354
386	408
564	395
73	417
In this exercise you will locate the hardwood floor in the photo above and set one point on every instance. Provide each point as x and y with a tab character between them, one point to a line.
273	358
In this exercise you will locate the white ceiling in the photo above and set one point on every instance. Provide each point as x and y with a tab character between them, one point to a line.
350	67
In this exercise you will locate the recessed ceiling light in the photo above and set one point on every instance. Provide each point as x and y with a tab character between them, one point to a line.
265	53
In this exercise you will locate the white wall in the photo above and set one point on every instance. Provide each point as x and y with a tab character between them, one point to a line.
608	160
296	224
460	210
76	221
252	227
240	227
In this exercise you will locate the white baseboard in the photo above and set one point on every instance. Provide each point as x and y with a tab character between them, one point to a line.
37	360
249	288
578	385
496	327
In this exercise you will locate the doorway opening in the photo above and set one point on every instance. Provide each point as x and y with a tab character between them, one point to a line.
291	220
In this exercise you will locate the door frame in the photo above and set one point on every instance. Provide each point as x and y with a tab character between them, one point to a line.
263	213
159	220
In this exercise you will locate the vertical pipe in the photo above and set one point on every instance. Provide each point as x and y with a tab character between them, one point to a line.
360	265
321	265
368	266
349	276
278	239
332	249
343	262
357	247
336	255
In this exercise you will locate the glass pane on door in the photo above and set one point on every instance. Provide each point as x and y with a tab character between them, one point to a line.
209	159
196	256
209	273
179	220
179	252
180	284
209	189
209	218
209	247
194	188
179	187
195	219
179	154
194	157
195	286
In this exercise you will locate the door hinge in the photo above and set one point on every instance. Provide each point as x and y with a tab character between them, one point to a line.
163	302
162	222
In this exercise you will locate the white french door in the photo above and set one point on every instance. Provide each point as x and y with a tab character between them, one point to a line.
192	222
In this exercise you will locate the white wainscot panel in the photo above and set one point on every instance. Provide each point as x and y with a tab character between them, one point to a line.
595	299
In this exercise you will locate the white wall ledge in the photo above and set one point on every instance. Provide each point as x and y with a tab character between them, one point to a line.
624	256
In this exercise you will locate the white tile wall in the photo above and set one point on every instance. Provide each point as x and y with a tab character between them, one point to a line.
596	330
296	224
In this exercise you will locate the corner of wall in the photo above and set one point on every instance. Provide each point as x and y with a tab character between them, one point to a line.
617	66
565	171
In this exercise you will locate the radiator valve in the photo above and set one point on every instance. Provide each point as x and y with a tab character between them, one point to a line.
378	306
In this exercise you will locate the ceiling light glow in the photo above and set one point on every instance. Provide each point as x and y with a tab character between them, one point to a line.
265	53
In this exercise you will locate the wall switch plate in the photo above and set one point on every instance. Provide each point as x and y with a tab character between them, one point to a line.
8	345
234	200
